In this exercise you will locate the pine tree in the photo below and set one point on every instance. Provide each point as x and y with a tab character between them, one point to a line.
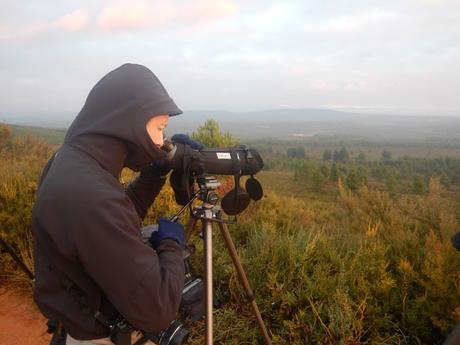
361	158
317	180
210	135
386	156
343	155
334	173
301	152
418	186
352	181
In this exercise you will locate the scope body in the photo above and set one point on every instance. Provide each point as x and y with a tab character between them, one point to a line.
238	160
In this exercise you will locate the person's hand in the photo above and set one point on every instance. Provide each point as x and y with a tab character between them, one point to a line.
162	167
168	230
185	139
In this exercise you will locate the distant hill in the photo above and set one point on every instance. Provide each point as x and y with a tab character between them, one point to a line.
53	135
294	123
306	123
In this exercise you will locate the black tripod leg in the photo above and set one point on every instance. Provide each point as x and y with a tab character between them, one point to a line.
244	281
189	228
16	258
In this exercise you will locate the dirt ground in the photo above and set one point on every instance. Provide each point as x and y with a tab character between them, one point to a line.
20	321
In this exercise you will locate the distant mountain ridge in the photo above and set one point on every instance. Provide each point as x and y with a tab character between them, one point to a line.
304	123
292	123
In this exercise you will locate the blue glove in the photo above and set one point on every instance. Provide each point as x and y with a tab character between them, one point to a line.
162	167
170	230
185	139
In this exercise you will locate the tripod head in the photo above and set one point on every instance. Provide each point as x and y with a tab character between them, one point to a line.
207	191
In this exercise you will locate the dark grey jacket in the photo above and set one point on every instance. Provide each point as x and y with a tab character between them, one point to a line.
89	254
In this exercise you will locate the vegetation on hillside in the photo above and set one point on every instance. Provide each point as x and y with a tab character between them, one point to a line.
345	248
22	159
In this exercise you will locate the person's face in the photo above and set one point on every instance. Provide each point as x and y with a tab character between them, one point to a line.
155	127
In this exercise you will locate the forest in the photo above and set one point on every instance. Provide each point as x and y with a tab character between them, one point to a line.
351	243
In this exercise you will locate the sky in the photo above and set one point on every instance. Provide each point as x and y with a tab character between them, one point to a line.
387	57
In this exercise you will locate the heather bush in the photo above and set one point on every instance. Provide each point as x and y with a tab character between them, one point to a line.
382	271
337	267
22	159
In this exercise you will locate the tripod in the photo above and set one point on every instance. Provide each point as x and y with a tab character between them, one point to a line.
210	213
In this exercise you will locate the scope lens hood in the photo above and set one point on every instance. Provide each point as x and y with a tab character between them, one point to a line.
234	203
254	189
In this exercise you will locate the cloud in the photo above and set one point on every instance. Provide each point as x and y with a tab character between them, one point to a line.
351	23
4	30
357	85
342	25
125	15
130	16
366	53
208	11
437	3
323	85
77	20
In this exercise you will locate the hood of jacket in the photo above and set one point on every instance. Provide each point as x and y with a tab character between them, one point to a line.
111	126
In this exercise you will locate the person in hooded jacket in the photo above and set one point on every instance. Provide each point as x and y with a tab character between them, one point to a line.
90	261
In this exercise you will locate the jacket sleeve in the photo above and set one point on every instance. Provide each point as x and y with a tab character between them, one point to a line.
144	285
144	189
